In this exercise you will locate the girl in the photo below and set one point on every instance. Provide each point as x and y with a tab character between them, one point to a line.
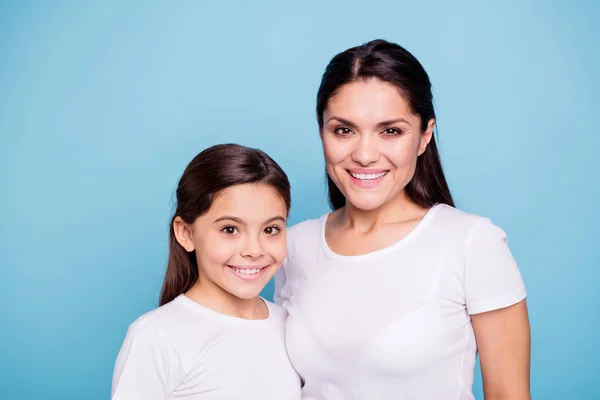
213	337
391	295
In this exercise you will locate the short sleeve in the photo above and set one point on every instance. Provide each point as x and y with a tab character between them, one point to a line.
280	295
492	277
147	366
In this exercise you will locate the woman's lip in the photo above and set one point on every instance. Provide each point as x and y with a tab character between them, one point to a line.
367	183
366	171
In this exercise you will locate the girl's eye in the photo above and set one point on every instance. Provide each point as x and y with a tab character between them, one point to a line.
230	230
392	132
342	131
272	230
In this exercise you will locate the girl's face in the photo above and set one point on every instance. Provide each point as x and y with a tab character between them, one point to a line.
371	141
240	241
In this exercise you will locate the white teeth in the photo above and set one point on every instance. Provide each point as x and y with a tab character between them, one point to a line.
368	177
247	271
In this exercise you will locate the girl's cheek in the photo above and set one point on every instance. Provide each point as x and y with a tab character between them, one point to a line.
278	248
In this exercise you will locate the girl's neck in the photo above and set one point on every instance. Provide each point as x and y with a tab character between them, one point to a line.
214	297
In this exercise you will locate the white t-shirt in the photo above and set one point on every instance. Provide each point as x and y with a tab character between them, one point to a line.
183	350
394	323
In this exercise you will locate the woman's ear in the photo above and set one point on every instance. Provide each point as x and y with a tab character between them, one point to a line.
426	136
320	129
184	234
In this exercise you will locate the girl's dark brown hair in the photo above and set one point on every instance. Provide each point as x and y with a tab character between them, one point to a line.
390	63
213	170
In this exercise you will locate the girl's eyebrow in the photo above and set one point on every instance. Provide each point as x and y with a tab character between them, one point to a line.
240	221
277	218
229	218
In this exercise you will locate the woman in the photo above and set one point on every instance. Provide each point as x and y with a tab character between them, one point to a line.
391	295
213	337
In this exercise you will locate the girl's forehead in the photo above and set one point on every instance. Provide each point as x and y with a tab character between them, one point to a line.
250	203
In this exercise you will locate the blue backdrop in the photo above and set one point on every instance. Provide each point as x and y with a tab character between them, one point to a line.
102	104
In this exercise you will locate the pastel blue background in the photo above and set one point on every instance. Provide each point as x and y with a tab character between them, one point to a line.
102	104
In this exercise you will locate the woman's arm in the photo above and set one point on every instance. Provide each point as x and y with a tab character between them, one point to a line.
504	343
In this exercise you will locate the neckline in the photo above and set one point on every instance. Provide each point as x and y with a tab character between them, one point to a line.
200	309
377	253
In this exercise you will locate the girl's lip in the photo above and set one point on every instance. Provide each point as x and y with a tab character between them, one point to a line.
247	277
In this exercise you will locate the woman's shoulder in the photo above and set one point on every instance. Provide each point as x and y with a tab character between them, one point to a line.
467	227
455	215
276	312
458	219
307	226
307	231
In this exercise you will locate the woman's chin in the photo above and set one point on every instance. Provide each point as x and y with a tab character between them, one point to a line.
367	201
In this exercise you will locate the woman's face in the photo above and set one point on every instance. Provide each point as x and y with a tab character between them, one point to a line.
371	141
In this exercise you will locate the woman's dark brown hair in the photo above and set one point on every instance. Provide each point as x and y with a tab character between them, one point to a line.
213	170
390	63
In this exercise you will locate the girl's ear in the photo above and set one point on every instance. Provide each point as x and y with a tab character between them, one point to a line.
184	234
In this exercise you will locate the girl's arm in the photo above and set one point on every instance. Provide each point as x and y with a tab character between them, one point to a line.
147	366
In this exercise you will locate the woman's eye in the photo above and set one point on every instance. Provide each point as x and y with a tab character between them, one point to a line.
392	132
230	230
342	130
272	230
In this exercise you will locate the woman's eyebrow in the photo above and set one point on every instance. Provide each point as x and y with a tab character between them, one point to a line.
379	125
343	121
391	122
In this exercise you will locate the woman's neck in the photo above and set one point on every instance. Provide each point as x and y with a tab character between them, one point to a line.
399	209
